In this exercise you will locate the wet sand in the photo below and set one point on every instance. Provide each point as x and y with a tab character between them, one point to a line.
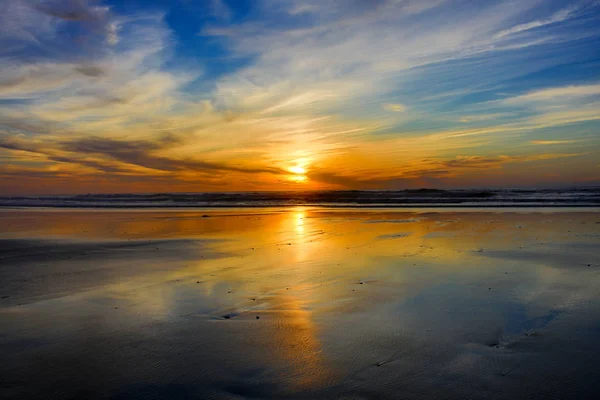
302	303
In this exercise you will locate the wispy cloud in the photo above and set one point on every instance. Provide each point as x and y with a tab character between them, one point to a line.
557	94
349	53
394	107
365	95
550	142
559	16
482	117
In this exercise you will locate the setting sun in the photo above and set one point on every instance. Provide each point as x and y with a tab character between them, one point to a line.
297	170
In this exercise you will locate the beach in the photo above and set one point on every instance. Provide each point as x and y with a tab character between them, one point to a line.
300	303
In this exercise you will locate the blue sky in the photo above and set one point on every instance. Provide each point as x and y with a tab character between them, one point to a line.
291	95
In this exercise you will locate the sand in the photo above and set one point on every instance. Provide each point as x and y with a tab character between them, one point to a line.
300	303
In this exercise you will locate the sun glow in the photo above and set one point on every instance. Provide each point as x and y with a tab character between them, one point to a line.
298	173
297	170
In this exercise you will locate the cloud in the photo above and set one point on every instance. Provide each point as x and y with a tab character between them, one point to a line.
140	153
536	110
54	156
121	155
88	79
550	142
482	117
97	165
556	94
477	162
26	26
482	162
371	49
348	54
15	144
71	10
396	107
90	70
429	171
220	9
559	16
395	235
88	92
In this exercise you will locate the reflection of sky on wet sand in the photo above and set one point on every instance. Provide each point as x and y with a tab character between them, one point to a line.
349	302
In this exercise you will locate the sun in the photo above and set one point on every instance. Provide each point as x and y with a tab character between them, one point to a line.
297	170
298	174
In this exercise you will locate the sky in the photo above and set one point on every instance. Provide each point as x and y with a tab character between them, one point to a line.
238	95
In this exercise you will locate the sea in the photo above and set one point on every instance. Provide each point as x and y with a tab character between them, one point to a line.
565	197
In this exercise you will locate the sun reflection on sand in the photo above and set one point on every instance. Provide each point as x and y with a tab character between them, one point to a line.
300	215
294	338
326	285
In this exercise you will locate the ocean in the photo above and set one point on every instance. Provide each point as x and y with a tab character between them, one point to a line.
569	197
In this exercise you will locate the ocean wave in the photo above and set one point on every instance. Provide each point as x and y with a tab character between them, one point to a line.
350	198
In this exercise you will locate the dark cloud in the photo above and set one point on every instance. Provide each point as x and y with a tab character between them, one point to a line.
20	145
429	173
133	152
14	180
90	27
12	82
140	152
90	70
97	101
101	166
335	179
393	182
117	148
16	144
475	162
72	10
112	156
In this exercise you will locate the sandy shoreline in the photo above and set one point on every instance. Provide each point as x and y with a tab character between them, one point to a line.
300	303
